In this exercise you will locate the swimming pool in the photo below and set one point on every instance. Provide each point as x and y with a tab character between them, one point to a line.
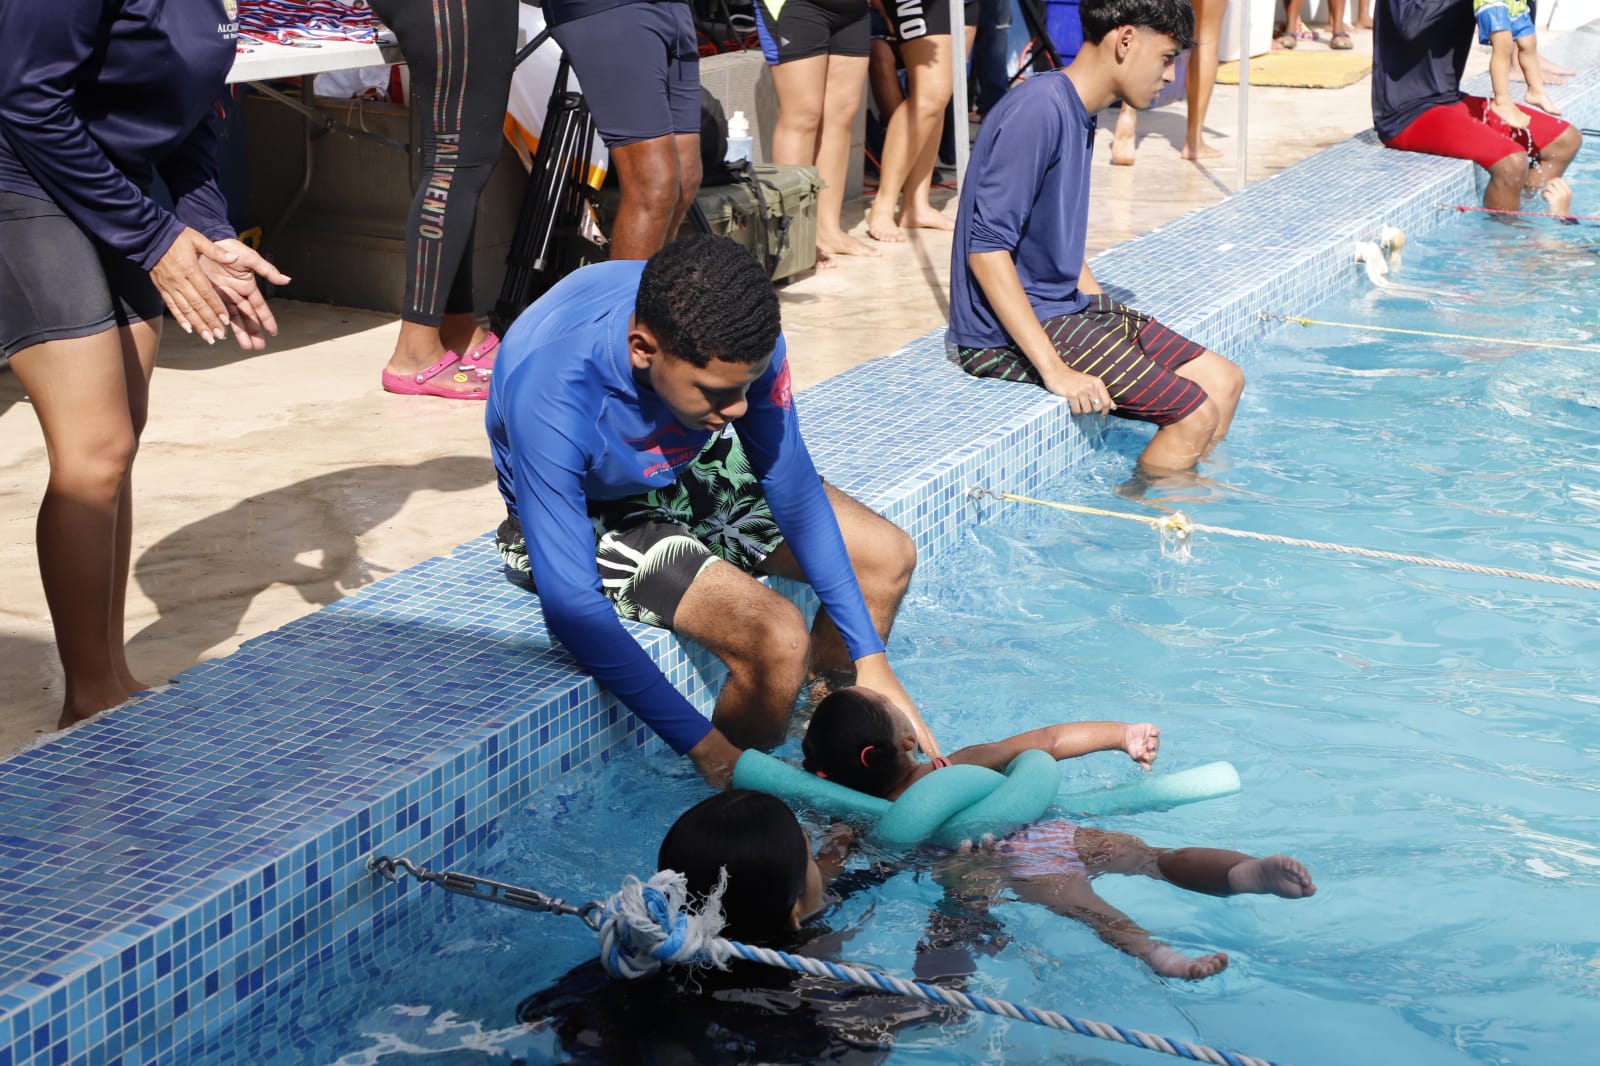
172	869
1423	739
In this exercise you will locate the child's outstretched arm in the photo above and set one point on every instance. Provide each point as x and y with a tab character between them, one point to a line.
1140	740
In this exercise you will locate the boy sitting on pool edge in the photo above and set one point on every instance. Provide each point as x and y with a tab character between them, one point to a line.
1024	305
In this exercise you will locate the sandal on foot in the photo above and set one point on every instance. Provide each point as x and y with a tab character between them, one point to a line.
1341	42
1286	41
422	384
481	356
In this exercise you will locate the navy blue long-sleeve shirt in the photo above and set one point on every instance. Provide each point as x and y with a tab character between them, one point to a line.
96	96
1419	53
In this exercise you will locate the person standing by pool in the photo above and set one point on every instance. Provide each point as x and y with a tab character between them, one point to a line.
96	98
1419	52
645	438
638	63
441	350
1024	305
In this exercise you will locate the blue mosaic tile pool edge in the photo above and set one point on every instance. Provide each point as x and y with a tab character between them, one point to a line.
241	883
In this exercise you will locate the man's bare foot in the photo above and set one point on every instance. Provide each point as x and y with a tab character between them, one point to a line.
1511	115
1558	194
881	225
1201	151
927	217
1364	22
1542	102
1275	875
843	244
1169	962
85	705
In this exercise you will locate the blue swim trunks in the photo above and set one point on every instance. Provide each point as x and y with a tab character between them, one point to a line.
1498	16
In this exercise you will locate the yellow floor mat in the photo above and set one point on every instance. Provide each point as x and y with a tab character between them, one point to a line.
1311	66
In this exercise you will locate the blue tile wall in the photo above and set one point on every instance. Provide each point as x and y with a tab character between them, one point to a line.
163	868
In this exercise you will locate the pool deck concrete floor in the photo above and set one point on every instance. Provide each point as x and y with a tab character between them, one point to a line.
272	484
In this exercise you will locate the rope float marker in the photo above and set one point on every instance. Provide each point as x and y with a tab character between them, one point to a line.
1177	529
649	923
1268	316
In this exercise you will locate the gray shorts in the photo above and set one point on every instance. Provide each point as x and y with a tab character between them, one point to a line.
58	283
649	548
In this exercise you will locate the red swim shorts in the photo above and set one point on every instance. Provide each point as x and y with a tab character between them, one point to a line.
1467	129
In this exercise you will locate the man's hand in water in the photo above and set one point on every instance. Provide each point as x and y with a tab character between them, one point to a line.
1142	741
874	672
1558	194
714	757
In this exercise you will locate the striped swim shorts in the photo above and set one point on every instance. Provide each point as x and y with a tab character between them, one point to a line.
1134	355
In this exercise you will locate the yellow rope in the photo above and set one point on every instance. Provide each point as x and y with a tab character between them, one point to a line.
1269	316
1179	525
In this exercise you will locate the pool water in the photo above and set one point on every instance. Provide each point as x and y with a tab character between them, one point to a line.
1424	740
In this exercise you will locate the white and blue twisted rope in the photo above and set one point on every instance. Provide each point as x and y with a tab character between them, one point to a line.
650	923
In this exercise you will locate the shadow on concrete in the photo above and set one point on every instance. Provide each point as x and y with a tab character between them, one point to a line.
30	678
300	323
203	577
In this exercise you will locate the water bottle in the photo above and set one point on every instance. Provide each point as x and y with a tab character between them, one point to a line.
740	146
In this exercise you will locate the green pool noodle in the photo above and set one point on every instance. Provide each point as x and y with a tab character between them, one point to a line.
1156	791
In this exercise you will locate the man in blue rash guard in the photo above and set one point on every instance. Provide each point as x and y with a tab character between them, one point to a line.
645	438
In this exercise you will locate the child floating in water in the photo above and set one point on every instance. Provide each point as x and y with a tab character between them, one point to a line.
858	739
1506	26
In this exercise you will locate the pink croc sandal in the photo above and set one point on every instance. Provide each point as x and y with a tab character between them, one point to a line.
422	384
481	356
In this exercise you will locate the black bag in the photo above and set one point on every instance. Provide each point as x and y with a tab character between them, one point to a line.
713	141
725	26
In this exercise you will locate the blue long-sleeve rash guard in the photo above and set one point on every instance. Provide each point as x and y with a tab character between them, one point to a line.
569	423
97	95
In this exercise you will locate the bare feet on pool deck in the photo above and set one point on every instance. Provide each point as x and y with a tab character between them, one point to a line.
843	244
1275	875
1170	962
1202	151
926	218
1552	76
881	225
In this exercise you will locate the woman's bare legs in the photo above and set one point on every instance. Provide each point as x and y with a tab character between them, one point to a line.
91	396
1125	139
911	144
1203	75
817	101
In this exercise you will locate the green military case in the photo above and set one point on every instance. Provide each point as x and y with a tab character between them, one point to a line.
772	211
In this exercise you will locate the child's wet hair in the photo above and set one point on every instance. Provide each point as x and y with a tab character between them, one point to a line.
851	740
765	851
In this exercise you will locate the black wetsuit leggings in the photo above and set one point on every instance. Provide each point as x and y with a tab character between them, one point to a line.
460	53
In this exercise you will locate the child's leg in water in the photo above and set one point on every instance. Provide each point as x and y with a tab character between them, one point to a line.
1213	871
1072	896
